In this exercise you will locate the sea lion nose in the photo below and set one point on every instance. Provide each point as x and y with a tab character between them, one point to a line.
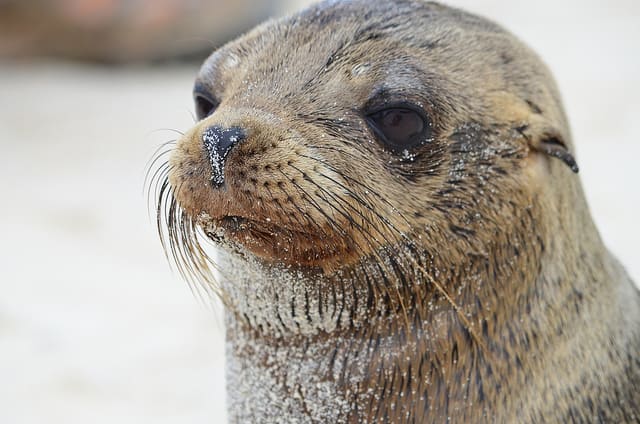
218	142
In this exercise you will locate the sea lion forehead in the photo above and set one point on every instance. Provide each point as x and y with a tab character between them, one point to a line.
306	43
340	40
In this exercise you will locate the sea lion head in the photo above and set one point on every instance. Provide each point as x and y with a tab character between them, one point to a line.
361	130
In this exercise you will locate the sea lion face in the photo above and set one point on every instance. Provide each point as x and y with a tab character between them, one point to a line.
357	127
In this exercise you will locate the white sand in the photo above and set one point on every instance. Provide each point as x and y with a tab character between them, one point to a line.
95	328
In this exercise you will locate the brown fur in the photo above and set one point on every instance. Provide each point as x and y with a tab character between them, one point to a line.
473	284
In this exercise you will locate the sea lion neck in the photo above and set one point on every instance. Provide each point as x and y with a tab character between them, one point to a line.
284	301
303	346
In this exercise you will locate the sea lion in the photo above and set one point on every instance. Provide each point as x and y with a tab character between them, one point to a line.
402	236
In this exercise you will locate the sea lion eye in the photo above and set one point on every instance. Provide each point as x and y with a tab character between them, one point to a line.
205	105
399	128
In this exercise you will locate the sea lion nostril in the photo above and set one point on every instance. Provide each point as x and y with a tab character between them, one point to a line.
218	142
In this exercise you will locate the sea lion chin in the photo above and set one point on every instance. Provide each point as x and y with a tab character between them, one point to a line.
402	234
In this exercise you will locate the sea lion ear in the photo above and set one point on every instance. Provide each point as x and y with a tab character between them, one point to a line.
549	141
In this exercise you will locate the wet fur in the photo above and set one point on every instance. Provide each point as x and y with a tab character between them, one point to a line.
479	289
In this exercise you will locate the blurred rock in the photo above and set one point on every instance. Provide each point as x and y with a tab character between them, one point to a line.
117	31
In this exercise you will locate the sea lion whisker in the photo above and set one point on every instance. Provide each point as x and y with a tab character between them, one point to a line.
194	263
303	215
288	219
153	163
153	186
336	197
158	153
180	244
162	146
334	225
359	183
345	215
331	221
173	130
152	168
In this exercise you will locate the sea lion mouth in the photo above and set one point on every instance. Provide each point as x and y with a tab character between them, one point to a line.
234	223
276	242
243	228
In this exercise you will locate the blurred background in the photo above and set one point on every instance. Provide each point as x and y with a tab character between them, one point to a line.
94	327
